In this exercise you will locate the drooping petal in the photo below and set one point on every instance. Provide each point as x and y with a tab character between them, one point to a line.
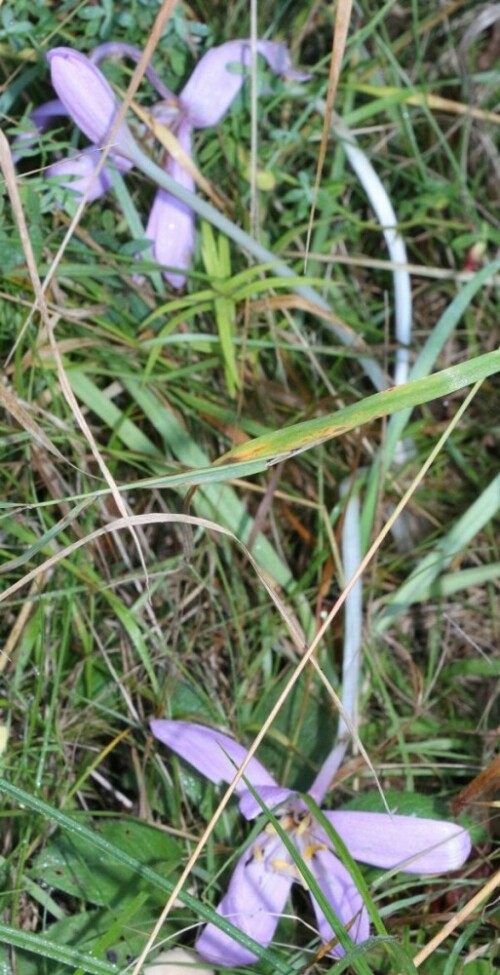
119	49
271	795
339	888
254	901
407	842
88	98
43	115
77	173
212	87
41	119
324	778
171	223
212	753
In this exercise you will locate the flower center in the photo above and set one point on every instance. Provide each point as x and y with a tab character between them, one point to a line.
274	854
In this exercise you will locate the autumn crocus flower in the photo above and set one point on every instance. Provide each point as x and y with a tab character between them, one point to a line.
88	99
214	84
261	881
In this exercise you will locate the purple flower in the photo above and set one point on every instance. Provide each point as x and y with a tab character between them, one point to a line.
86	96
202	103
77	172
263	876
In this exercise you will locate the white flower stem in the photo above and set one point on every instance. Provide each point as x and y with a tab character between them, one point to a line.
351	532
384	212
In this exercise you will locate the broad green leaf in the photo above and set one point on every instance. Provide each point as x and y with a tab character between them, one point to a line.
400	803
112	937
74	865
480	966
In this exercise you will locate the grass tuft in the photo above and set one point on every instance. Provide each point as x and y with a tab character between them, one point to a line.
177	466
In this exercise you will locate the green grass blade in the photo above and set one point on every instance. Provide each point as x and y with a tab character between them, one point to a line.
433	348
40	945
424	579
405	963
281	444
74	827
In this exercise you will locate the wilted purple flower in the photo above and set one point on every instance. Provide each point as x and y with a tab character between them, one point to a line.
263	876
87	97
202	103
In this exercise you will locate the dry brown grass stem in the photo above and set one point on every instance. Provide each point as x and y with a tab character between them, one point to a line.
458	919
341	29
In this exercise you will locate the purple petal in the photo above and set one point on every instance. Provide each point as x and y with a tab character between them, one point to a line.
211	88
43	115
88	98
77	173
40	118
407	842
213	754
271	795
112	49
255	899
343	895
171	223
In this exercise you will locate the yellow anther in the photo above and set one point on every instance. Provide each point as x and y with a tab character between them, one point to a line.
313	848
303	825
258	854
282	866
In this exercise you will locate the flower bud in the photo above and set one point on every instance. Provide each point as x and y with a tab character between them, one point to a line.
88	98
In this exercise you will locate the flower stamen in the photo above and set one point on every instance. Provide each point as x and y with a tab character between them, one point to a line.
283	866
313	848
